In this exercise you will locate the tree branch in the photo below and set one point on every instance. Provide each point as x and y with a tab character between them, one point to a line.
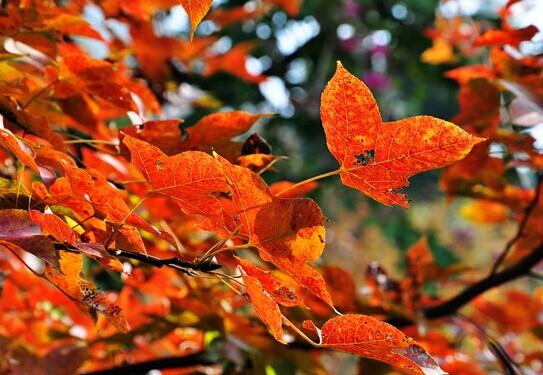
176	263
520	231
451	306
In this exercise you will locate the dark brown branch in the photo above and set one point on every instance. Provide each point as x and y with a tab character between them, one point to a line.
143	368
178	264
451	306
520	231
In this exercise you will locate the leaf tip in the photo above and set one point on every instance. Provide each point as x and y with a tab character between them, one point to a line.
339	65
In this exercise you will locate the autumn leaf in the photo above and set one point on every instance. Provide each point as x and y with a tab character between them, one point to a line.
108	202
479	106
292	7
23	152
54	225
377	158
441	52
19	231
464	74
191	178
288	189
265	307
167	135
213	131
234	62
287	232
279	291
421	265
512	37
70	24
371	338
68	279
196	10
484	212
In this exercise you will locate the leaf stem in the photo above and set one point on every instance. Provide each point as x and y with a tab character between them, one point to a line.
319	177
300	333
39	93
223	249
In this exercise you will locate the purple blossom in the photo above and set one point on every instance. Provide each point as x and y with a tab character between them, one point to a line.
350	45
379	50
376	80
352	8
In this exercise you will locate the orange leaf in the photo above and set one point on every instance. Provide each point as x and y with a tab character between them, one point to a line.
485	212
292	7
479	106
99	253
191	179
368	337
165	134
441	52
377	158
68	280
342	287
257	162
464	74
219	128
511	37
265	307
18	148
233	62
54	225
280	292
107	200
277	188
287	232
196	9
420	261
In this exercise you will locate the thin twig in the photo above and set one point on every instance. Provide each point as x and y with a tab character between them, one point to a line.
319	177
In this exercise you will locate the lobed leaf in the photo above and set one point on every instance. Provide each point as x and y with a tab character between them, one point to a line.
377	158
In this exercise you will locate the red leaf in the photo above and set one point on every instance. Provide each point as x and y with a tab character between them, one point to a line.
280	292
377	158
287	232
265	307
18	148
192	179
18	231
368	337
55	226
233	62
501	37
196	9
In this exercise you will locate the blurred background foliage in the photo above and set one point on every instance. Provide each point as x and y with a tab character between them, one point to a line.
380	41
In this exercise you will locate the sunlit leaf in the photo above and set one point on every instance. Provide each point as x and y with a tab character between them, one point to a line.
377	158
